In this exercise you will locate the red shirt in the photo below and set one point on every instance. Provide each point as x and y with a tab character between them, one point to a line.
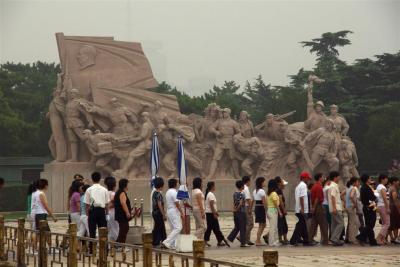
317	192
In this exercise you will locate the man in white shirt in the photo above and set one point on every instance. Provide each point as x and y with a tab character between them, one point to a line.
249	209
300	233
96	200
335	209
174	214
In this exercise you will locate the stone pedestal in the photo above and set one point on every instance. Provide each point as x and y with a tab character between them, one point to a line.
60	176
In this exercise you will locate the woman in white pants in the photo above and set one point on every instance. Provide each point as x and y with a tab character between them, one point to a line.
83	226
112	224
174	214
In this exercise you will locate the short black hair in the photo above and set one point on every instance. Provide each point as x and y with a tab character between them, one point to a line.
272	186
239	184
197	183
245	179
364	178
158	182
393	179
317	176
110	182
122	184
381	177
42	184
259	182
85	187
172	183
96	177
333	175
352	181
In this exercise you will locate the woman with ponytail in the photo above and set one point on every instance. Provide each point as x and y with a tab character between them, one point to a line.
212	217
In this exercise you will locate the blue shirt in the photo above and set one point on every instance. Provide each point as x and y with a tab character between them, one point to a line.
83	205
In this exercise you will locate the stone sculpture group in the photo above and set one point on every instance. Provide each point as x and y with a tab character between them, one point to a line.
102	112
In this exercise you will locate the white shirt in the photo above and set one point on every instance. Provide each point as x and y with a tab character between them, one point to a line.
111	195
380	199
259	194
171	199
97	196
326	190
334	191
247	195
36	203
210	197
301	191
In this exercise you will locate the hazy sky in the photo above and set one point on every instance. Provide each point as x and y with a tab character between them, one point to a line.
195	44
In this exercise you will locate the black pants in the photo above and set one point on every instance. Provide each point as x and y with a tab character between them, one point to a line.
300	233
239	219
123	231
97	218
213	225
159	233
367	232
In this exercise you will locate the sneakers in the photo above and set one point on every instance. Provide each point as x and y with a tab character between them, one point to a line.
165	245
244	245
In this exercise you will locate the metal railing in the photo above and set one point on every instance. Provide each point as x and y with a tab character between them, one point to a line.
27	247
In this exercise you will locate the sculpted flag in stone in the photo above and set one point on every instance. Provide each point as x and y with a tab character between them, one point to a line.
103	118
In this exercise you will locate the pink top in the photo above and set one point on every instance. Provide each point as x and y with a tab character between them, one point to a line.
75	202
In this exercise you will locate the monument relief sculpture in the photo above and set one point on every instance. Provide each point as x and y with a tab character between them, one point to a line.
224	129
322	143
315	116
102	105
142	141
74	112
56	115
341	125
245	124
348	159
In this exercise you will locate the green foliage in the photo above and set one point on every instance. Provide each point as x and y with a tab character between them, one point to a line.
25	94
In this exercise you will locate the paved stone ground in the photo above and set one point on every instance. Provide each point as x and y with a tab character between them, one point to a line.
327	256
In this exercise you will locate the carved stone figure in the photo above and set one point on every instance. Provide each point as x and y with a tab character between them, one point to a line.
293	138
224	129
56	114
252	151
348	159
143	141
316	118
100	147
322	143
169	140
245	124
121	117
342	127
271	128
74	111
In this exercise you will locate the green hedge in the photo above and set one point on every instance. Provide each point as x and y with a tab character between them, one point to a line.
13	197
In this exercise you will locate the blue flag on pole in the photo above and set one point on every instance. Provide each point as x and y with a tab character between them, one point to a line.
154	158
182	171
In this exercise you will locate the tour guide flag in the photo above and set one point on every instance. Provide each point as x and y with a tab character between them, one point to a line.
154	158
183	191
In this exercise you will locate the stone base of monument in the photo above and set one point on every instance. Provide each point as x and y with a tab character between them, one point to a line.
60	176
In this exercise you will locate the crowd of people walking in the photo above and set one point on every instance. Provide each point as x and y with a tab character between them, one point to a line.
321	203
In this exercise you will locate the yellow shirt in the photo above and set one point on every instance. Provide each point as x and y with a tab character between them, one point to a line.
273	200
